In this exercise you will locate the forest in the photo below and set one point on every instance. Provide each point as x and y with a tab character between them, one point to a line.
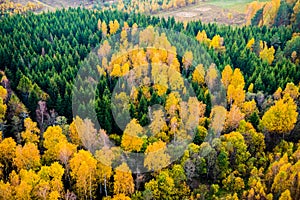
118	104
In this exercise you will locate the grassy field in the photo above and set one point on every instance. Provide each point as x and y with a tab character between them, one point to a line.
230	12
236	5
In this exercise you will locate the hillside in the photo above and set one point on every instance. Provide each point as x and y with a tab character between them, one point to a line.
118	104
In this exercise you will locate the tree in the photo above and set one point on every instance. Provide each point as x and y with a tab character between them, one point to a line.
104	157
123	181
83	171
3	109
83	132
202	37
281	117
199	74
104	29
233	118
187	60
3	93
162	187
132	137
42	116
7	153
52	137
99	25
218	116
158	124
25	87
227	76
292	90
121	197
236	147
31	133
217	43
267	54
250	44
113	27
6	190
286	195
283	15
156	156
27	157
235	91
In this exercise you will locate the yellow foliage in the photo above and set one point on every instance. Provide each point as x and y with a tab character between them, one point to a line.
31	131
123	181
281	117
199	74
27	157
292	90
267	54
3	93
250	44
156	156
227	76
249	107
121	197
83	171
250	88
53	136
131	139
277	95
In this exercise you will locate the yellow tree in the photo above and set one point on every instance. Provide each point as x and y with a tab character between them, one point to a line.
292	90
6	191
121	197
104	29
116	72
113	26
267	54
233	118
27	157
250	44
278	94
235	92
187	59
202	38
217	43
132	137
83	132
199	74
211	76
123	181
3	93
196	111
286	195
49	182
218	116
158	124
227	76
31	133
270	11
27	182
52	136
7	153
104	157
3	108
156	156
172	103
83	171
281	117
249	107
